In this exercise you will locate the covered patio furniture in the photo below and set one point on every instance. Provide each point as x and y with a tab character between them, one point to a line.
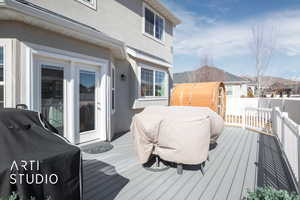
36	162
176	134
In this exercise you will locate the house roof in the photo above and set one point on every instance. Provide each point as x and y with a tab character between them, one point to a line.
162	9
231	79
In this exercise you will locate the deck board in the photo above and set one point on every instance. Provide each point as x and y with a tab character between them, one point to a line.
229	173
249	181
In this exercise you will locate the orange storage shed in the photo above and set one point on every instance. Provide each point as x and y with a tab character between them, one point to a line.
206	94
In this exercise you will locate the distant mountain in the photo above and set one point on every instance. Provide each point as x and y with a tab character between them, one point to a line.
206	74
210	74
268	81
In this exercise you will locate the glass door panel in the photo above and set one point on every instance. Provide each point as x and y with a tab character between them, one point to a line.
87	99
52	96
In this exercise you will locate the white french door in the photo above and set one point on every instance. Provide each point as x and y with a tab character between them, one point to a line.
68	96
88	106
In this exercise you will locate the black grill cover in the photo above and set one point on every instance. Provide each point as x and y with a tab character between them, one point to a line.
24	136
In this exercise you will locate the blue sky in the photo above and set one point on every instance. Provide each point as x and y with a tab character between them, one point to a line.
221	29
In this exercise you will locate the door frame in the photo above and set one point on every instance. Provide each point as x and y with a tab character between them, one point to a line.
9	68
31	96
61	65
92	134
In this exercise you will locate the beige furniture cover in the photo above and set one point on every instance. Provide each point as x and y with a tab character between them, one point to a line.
177	134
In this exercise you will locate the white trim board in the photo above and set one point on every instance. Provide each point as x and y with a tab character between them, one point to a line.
92	4
66	55
147	58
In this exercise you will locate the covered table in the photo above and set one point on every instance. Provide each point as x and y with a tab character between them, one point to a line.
35	161
177	134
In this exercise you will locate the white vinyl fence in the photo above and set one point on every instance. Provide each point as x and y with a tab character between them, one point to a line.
288	133
247	114
253	118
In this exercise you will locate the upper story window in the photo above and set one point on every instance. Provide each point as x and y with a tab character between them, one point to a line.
154	24
90	3
154	83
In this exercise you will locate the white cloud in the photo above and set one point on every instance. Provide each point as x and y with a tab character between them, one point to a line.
198	34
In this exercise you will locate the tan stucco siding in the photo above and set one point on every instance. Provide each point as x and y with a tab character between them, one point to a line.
27	33
23	33
120	19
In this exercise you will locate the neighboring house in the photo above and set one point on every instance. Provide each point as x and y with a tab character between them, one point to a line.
240	88
87	65
236	86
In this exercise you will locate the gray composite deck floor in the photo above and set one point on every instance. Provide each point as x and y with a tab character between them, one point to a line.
229	173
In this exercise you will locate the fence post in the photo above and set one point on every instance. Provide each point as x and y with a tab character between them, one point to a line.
273	121
298	152
244	118
284	116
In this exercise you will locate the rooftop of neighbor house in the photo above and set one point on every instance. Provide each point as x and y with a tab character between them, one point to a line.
242	160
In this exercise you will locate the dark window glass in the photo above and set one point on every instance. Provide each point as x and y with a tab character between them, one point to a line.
113	77
1	55
113	99
159	27
1	63
1	73
113	89
1	96
146	82
87	100
53	96
149	21
160	86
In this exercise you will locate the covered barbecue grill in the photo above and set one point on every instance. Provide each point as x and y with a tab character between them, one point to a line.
206	94
176	134
29	148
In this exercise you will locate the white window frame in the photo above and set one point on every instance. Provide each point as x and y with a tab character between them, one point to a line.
154	69
8	78
144	21
113	89
92	4
229	88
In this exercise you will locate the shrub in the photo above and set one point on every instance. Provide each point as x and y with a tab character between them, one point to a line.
14	196
268	193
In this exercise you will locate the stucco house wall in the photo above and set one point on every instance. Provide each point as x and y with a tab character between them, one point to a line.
121	19
24	33
122	114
